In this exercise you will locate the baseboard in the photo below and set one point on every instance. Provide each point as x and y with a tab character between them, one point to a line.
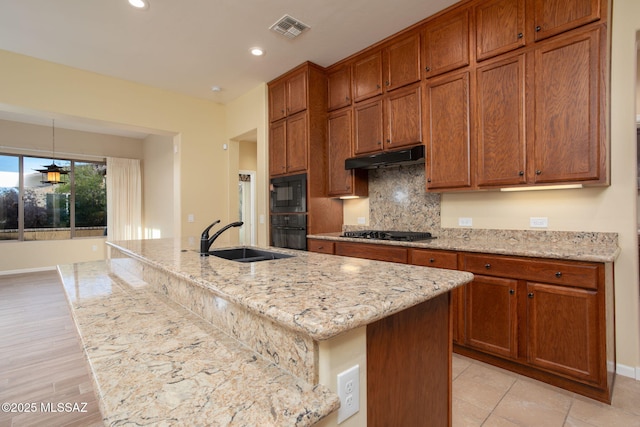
27	270
628	371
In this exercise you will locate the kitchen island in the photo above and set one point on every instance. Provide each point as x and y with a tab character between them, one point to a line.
308	317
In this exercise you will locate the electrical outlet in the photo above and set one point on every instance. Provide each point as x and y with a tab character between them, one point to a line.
362	220
190	218
538	222
349	393
465	222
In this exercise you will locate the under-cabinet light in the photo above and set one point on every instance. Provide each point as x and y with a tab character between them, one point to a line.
349	197
139	4
543	187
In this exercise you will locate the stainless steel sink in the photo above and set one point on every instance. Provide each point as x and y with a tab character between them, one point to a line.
247	254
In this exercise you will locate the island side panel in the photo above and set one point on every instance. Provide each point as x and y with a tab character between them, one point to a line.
409	366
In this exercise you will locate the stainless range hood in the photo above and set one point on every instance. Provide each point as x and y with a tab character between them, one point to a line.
408	156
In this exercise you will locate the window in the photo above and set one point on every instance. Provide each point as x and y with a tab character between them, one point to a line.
32	210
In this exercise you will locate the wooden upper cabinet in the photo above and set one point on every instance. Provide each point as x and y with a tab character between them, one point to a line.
500	27
297	141
568	110
277	148
367	76
277	101
368	130
446	43
297	92
402	62
342	182
288	96
501	142
339	88
447	136
403	117
551	17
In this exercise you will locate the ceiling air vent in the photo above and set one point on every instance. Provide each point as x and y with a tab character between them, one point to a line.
289	27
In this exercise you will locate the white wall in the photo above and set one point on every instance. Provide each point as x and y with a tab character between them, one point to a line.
158	187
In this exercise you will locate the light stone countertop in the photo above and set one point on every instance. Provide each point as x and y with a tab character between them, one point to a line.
593	247
155	363
319	295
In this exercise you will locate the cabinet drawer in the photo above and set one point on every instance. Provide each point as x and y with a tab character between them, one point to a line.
437	259
583	275
321	246
370	251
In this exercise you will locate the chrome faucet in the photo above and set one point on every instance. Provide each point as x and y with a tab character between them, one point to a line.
206	241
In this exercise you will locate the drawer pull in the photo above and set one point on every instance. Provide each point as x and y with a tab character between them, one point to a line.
559	274
512	291
487	266
530	294
432	260
320	247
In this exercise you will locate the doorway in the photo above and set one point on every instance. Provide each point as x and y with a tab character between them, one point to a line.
247	208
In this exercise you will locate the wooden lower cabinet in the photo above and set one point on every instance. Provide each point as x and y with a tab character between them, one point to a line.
320	246
372	251
492	320
546	319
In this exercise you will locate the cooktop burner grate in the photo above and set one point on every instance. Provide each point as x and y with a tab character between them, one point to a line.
406	236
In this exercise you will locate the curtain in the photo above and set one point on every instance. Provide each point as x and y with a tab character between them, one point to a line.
124	195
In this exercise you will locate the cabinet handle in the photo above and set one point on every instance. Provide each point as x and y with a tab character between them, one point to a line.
428	179
538	28
538	172
320	247
530	294
427	69
512	291
521	173
346	98
388	141
559	274
520	35
387	83
487	266
379	143
432	260
377	86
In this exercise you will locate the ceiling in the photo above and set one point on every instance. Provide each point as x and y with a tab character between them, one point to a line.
188	46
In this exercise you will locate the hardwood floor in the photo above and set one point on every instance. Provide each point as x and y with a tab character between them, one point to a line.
42	366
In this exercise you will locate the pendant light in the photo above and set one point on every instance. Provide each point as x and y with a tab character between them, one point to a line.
53	174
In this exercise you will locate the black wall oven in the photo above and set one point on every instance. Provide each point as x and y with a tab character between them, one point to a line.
288	205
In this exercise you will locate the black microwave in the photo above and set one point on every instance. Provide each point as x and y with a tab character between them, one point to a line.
289	194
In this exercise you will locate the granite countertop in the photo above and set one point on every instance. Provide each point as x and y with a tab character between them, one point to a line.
156	363
594	247
319	295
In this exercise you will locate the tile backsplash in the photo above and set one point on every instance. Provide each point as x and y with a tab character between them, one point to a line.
398	200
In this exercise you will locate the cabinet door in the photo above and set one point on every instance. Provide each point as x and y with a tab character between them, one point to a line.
492	320
277	101
372	251
368	127
367	77
563	330
339	88
501	122
339	141
556	16
567	109
402	62
297	93
499	27
297	143
446	41
447	136
404	117
277	148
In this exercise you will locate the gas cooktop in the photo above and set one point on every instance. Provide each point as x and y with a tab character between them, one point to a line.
403	236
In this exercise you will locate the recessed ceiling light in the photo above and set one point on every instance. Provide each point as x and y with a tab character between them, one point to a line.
256	51
139	4
216	88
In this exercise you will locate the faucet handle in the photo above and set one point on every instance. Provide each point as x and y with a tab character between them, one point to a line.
205	233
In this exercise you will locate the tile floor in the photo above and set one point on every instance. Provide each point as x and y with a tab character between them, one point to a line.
486	396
